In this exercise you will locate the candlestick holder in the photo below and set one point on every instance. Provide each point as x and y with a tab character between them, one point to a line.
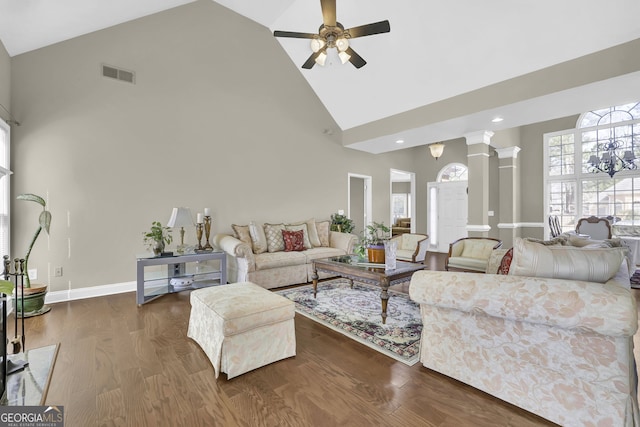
199	227
207	232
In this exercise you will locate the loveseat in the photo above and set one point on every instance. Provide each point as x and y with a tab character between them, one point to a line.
559	346
258	253
401	226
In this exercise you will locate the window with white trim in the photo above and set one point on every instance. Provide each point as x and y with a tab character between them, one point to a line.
5	195
573	190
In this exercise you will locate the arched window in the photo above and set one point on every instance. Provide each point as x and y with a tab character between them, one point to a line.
575	189
453	172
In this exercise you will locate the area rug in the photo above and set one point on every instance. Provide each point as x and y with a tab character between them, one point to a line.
356	314
635	280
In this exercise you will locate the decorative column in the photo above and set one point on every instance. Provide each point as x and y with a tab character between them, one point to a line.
509	207
478	164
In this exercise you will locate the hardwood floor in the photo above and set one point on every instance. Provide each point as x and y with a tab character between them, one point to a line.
124	365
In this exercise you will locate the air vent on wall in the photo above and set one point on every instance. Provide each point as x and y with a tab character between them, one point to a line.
118	74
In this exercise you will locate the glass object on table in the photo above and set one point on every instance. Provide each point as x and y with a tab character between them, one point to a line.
390	250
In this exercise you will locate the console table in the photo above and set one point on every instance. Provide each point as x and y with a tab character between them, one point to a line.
159	276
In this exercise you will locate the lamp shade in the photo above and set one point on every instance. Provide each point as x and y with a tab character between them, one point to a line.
180	217
436	149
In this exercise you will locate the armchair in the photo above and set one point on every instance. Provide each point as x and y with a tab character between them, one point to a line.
471	253
411	247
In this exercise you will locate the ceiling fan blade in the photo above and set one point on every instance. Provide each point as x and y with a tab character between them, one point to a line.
369	29
355	59
328	12
312	59
294	35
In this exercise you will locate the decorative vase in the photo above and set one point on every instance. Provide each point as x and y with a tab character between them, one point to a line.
158	247
32	304
376	254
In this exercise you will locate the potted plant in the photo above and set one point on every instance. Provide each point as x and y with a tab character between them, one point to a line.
341	223
157	237
33	301
372	242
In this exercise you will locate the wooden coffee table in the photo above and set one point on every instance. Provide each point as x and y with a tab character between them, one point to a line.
350	267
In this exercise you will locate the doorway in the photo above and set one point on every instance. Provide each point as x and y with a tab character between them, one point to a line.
403	196
359	194
448	207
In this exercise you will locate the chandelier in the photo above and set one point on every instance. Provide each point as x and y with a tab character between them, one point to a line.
611	162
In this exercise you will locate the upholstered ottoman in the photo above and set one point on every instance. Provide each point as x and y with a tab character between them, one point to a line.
242	326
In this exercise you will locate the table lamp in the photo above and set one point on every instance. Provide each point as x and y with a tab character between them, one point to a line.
181	217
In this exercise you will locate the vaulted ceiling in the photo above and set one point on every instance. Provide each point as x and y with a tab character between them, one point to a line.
446	68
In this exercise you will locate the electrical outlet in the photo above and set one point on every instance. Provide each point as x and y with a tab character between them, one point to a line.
33	273
58	272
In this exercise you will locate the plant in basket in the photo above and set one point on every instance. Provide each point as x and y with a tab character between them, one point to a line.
372	241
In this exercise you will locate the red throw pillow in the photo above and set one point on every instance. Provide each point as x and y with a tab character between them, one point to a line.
293	240
505	264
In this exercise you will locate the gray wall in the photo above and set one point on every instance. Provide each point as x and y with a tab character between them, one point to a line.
219	117
5	81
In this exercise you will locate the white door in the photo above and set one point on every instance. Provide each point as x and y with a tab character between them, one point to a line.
451	205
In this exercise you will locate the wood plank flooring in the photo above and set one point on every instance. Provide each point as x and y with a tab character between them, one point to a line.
124	365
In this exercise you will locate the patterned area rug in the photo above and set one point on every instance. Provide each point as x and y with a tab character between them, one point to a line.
356	314
635	280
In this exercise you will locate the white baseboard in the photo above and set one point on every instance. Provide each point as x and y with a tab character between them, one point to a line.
90	292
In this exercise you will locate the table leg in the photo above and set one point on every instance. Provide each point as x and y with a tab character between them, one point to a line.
351	283
314	278
384	299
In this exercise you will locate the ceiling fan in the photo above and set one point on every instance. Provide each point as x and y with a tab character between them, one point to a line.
332	34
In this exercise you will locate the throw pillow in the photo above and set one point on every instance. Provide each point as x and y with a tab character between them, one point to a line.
505	264
323	228
242	233
273	233
293	240
565	262
258	238
560	240
305	234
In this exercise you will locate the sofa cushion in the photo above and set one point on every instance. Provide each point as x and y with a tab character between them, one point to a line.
323	228
317	253
479	249
565	262
242	233
273	233
279	259
468	263
293	240
305	232
312	232
258	238
405	255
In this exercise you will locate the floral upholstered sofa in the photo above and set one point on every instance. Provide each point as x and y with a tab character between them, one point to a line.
275	255
554	336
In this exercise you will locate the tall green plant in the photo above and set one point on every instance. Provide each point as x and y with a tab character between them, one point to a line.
44	222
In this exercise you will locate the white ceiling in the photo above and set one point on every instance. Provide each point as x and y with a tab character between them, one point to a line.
436	50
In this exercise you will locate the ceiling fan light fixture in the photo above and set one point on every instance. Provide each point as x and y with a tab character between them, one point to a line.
320	60
344	57
342	44
317	44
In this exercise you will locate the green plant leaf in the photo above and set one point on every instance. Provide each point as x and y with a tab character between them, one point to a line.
6	287
45	220
32	198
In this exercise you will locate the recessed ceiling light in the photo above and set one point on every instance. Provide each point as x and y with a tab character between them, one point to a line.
400	141
497	119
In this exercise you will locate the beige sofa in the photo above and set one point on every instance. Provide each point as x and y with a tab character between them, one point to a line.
559	347
252	256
